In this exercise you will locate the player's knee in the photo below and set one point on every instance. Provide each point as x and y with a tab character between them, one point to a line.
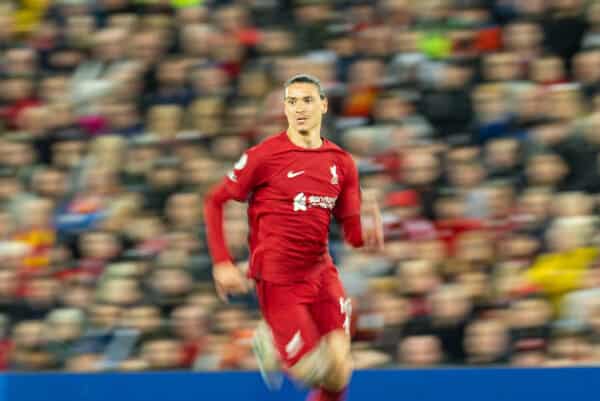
340	370
338	379
329	365
338	346
313	367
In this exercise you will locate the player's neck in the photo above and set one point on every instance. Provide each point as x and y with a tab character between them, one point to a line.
309	140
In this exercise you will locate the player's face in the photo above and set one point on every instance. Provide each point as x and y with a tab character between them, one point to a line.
304	108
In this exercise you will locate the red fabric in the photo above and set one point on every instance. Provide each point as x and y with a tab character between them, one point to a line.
249	36
74	273
324	395
500	227
213	215
558	81
526	290
292	193
231	68
5	350
190	352
450	230
93	125
411	229
392	163
404	198
11	113
353	231
315	305
489	39
419	306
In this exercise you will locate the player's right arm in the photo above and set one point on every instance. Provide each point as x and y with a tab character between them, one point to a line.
237	185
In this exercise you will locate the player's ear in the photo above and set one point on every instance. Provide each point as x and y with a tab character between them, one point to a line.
324	105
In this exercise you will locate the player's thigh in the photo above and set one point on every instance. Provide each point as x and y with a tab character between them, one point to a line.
332	309
294	331
332	314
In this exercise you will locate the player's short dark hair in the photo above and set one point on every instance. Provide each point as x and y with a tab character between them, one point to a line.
306	79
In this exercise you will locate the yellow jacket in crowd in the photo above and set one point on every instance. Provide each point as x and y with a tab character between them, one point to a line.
561	272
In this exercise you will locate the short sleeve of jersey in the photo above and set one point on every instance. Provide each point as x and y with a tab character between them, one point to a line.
244	176
349	200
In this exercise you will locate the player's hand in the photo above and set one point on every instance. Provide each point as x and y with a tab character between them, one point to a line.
371	222
228	280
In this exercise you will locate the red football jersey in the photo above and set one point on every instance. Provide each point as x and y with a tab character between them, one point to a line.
292	193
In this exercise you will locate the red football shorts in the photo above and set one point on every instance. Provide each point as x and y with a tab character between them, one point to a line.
301	313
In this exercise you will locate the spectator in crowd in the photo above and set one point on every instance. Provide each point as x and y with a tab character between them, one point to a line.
475	122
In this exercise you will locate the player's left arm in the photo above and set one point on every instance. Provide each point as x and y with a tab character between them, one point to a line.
358	212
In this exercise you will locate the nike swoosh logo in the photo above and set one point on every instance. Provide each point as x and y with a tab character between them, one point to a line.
292	174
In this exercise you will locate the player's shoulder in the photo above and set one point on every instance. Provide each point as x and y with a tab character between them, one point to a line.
344	156
267	146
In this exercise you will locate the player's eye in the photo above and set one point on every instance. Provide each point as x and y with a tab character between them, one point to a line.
308	100
291	101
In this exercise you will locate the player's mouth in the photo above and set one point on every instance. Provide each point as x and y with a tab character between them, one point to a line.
301	120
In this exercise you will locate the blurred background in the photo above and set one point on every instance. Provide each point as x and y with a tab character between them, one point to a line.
477	122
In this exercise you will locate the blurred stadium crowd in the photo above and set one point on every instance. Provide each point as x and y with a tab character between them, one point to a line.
478	123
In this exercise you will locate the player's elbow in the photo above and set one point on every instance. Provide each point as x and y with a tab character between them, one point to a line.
216	196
